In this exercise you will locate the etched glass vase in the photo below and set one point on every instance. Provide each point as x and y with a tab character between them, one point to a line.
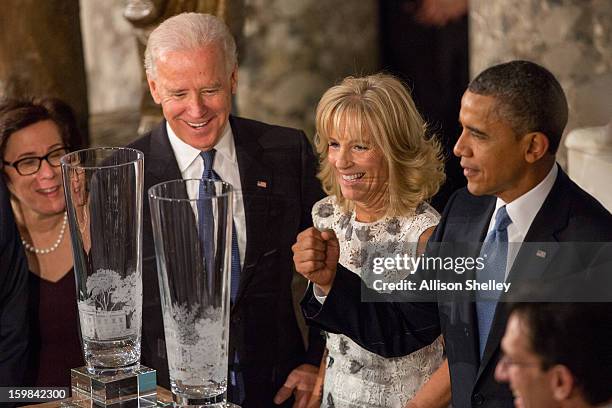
103	188
192	228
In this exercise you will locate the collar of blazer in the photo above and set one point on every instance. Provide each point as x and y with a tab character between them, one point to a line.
257	187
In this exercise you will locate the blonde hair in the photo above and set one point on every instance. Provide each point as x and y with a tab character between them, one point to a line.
381	107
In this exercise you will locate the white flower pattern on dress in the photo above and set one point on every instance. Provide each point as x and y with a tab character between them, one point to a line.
355	377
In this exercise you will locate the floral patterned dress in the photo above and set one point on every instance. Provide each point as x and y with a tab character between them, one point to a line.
355	377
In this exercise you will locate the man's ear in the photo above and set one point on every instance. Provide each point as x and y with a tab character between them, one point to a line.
536	146
154	89
234	79
562	382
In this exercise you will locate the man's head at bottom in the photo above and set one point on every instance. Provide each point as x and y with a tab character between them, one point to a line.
558	354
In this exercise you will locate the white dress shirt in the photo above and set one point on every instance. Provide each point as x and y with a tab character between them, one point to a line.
522	211
191	165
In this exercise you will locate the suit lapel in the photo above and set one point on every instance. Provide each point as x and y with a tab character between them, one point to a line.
475	230
542	234
477	227
468	228
162	165
256	184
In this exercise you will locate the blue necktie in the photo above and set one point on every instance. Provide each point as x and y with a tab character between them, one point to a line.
495	253
208	173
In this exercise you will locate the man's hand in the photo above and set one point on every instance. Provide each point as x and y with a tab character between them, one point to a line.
315	255
439	13
301	382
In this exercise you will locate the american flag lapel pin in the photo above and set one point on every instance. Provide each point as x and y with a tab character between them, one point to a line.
262	184
540	253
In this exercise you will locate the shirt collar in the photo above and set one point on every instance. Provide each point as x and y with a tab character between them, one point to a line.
523	210
225	146
185	154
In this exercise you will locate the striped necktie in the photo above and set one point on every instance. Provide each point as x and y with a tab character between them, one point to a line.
237	392
209	173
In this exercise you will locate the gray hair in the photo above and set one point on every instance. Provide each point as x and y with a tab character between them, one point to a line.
189	31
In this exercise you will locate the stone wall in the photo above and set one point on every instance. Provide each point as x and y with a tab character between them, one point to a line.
293	50
572	38
111	57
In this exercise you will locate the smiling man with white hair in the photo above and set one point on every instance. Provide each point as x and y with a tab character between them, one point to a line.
191	68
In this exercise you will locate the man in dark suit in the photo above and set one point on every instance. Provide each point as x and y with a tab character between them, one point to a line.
513	116
13	297
191	69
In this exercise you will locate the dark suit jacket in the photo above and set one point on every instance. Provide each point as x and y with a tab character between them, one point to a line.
277	173
13	297
397	328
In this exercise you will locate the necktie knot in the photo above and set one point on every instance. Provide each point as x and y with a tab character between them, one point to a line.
208	157
502	219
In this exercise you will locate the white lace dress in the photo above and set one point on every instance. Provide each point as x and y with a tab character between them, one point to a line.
355	377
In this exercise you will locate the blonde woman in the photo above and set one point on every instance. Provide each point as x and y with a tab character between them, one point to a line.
378	169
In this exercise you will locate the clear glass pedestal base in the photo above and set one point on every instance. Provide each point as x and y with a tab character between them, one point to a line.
123	390
186	402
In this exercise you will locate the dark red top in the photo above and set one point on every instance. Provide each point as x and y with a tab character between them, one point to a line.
55	345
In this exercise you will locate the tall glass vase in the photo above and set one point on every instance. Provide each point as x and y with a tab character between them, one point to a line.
192	228
103	188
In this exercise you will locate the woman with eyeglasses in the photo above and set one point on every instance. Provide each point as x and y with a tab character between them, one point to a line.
34	136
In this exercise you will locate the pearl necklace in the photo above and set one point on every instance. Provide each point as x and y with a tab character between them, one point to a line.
31	248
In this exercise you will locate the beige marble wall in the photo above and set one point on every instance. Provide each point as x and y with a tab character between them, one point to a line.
111	57
572	38
293	50
590	160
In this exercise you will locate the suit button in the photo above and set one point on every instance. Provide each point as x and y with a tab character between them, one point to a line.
478	399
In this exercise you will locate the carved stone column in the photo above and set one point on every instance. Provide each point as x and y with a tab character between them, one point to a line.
572	38
295	49
41	53
113	72
590	160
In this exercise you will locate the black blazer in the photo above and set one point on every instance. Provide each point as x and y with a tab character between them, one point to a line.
277	172
14	328
568	214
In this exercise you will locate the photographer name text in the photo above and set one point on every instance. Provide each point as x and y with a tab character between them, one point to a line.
436	285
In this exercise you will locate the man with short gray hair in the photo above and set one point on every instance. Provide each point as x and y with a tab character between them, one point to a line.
191	69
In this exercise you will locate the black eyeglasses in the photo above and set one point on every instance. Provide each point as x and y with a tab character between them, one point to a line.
30	165
507	362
